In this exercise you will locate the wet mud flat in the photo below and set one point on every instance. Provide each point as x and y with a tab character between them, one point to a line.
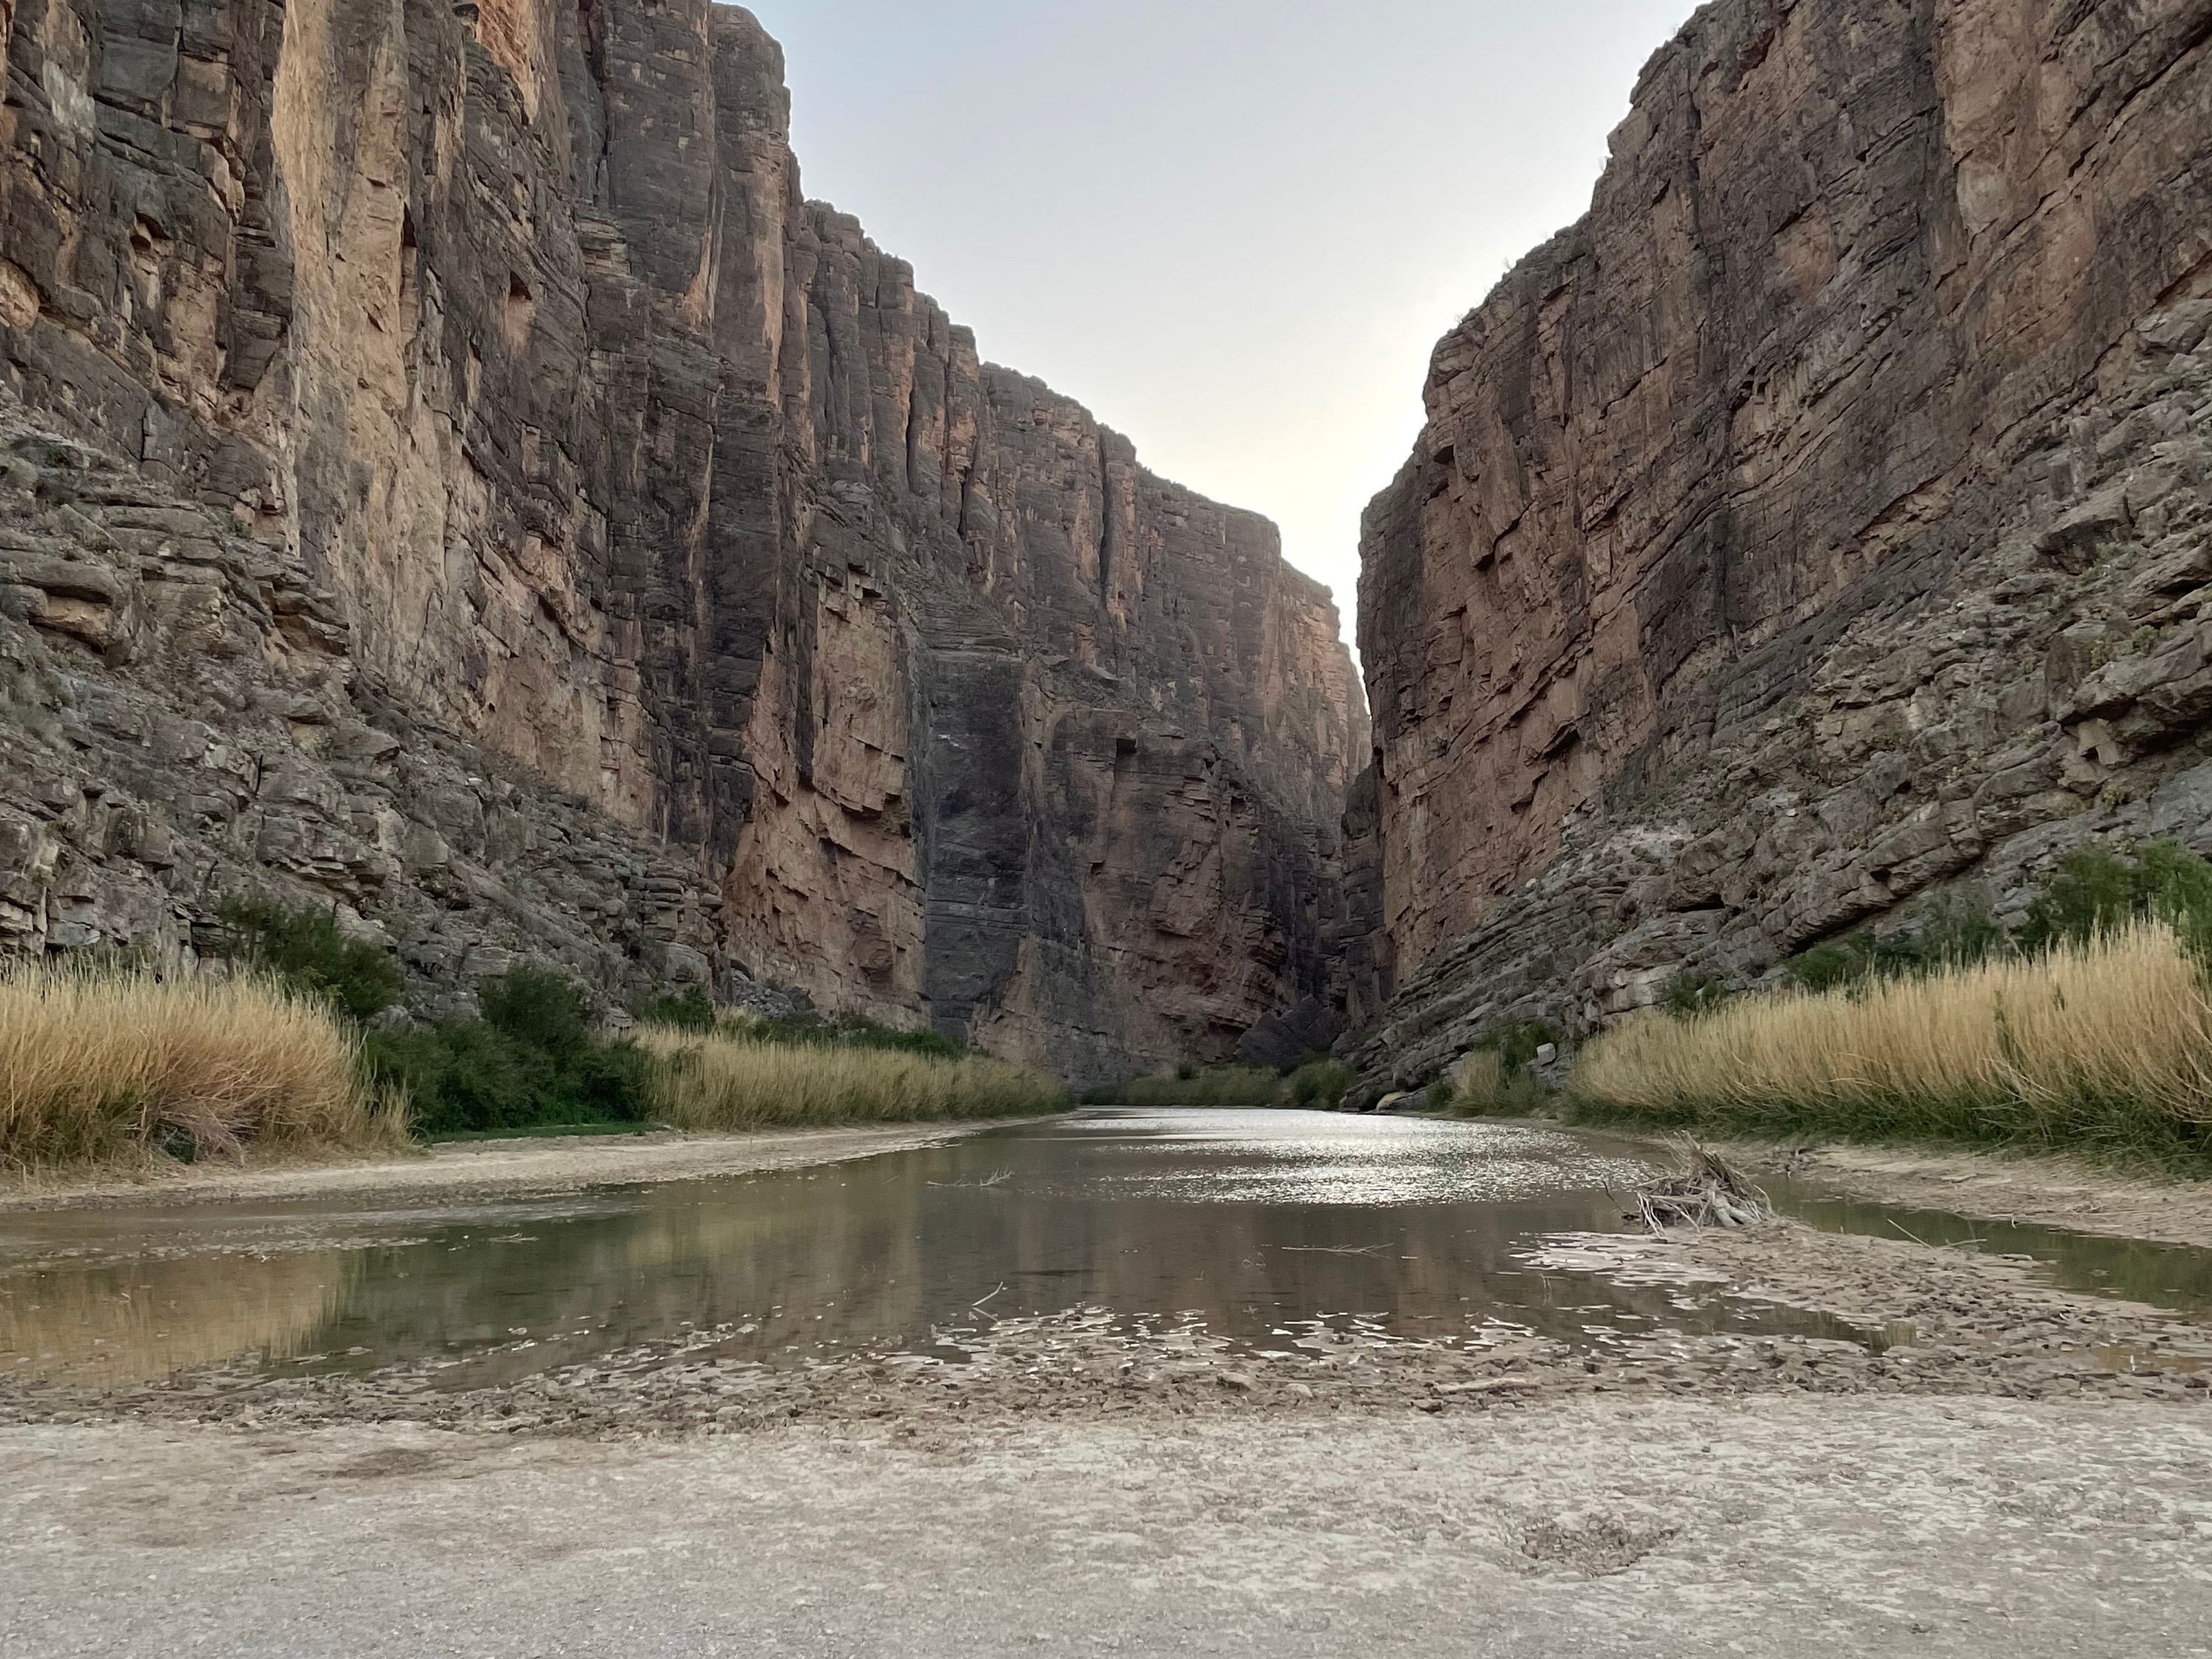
1930	1323
2014	1188
1194	1267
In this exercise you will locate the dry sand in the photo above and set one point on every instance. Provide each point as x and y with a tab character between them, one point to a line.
1600	1529
491	1168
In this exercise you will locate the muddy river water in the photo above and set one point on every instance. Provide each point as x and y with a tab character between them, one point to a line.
1262	1227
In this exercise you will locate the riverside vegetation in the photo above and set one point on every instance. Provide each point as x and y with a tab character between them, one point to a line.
1317	1084
2088	1029
293	1049
106	1065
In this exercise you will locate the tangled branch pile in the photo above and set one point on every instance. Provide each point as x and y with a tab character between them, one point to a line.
1708	1192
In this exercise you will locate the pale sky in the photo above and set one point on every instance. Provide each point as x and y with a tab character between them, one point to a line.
1234	229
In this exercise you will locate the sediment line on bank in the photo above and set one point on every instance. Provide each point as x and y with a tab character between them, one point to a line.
510	1169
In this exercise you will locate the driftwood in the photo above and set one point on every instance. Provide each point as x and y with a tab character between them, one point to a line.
1708	1192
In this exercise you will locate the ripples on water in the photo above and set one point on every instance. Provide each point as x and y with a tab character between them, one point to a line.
1249	1223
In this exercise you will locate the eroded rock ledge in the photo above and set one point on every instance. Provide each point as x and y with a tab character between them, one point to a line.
1822	520
482	371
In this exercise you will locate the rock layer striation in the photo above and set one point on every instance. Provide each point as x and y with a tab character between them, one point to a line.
1821	521
482	371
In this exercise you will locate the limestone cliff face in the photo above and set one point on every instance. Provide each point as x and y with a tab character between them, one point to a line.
1822	518
506	331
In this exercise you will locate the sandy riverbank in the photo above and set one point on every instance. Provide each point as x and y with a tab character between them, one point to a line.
2032	1190
489	1169
2045	1192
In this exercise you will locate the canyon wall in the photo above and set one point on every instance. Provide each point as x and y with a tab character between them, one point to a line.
460	410
1821	521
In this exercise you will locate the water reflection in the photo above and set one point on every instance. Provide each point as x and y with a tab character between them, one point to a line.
1257	1224
2174	1276
143	1321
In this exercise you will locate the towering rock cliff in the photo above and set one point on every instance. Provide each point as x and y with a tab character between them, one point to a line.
472	423
1822	519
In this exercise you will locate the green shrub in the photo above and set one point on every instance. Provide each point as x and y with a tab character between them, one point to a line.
305	949
691	1009
1497	1077
1689	995
1317	1087
1940	935
536	1009
1221	1086
532	1061
2095	892
1518	1045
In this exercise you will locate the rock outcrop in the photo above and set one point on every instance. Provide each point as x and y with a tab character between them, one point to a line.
1822	520
476	437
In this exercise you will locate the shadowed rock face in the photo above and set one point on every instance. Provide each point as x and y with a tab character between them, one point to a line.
505	332
1822	519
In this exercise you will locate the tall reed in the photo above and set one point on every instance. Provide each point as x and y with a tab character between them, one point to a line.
703	1082
2104	1044
100	1064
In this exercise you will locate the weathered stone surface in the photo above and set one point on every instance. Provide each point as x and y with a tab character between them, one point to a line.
1821	520
505	335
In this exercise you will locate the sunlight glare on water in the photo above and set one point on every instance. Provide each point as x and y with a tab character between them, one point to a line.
1264	1156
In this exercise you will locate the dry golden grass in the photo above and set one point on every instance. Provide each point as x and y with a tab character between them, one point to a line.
2110	1041
719	1083
98	1066
1478	1081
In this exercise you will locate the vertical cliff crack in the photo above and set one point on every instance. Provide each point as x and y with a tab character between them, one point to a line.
1106	524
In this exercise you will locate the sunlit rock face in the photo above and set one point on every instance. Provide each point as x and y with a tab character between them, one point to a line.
506	332
1820	520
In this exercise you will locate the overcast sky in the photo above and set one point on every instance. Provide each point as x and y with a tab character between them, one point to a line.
1233	228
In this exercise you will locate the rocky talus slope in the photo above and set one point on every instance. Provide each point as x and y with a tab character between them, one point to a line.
459	476
1821	521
